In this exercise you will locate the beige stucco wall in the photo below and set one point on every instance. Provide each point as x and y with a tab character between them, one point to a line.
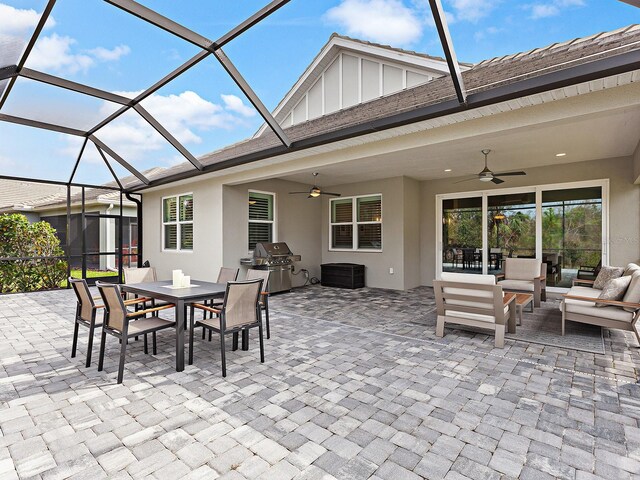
206	258
412	214
297	221
636	164
624	205
377	264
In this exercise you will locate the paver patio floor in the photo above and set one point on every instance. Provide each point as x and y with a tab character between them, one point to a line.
355	385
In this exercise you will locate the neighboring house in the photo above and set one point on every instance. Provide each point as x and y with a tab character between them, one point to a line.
400	185
39	201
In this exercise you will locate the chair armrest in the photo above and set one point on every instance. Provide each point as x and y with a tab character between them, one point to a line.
615	303
205	307
508	298
499	275
576	281
133	301
98	306
150	310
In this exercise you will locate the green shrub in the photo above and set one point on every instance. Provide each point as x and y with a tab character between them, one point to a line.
19	239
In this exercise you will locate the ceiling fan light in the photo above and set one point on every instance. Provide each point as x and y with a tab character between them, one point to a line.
315	192
486	179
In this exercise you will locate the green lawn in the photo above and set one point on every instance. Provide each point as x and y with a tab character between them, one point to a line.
77	273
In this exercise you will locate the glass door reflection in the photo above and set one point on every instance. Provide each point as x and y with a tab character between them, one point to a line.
511	228
462	235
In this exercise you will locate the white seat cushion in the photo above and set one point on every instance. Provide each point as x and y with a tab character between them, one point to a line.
469	292
521	285
584	307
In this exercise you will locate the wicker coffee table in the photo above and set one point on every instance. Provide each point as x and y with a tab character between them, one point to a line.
522	300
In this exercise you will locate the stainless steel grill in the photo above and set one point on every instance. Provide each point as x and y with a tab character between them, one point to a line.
278	259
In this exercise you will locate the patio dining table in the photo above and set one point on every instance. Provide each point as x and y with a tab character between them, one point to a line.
181	297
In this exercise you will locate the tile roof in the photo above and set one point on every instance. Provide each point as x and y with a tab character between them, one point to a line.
483	76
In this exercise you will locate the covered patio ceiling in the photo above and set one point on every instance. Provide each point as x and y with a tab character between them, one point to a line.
464	101
520	141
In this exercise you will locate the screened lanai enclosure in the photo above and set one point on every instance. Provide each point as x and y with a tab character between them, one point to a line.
108	140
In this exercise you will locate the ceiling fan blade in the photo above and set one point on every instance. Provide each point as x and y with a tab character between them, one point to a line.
497	181
509	174
475	177
329	193
294	193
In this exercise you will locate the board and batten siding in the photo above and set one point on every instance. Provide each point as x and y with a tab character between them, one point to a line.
352	79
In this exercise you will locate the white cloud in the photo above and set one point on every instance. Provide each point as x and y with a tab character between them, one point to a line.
19	22
53	53
472	10
186	116
543	11
106	55
385	21
235	104
486	32
552	8
56	53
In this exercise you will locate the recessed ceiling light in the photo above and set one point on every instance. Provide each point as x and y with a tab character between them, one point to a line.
447	170
560	154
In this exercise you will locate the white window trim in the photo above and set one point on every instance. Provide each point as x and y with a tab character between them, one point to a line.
355	223
537	189
274	222
178	248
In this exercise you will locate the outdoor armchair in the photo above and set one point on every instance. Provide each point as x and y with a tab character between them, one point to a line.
86	312
527	275
474	300
588	272
118	323
240	311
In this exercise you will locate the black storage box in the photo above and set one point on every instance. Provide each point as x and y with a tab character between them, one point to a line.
342	275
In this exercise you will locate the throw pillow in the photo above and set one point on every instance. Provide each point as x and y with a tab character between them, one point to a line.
606	274
614	289
633	292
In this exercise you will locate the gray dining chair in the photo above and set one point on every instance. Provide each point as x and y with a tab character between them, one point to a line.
86	314
240	311
118	323
252	274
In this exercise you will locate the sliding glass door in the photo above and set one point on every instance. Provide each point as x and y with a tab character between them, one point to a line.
462	235
571	232
564	225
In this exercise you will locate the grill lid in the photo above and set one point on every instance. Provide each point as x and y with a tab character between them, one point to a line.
276	249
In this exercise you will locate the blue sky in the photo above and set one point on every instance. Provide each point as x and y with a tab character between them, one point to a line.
97	44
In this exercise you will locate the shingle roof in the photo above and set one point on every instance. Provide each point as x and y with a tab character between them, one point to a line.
17	194
483	76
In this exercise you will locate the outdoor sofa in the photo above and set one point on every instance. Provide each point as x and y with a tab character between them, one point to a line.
580	304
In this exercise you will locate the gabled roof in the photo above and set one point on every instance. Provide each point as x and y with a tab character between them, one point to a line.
34	196
483	77
341	43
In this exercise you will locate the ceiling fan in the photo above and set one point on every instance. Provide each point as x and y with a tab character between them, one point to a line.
487	175
315	191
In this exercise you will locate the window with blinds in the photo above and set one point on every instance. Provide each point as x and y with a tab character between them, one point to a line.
261	218
356	223
177	222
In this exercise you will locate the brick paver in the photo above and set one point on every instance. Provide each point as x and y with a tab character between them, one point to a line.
355	385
